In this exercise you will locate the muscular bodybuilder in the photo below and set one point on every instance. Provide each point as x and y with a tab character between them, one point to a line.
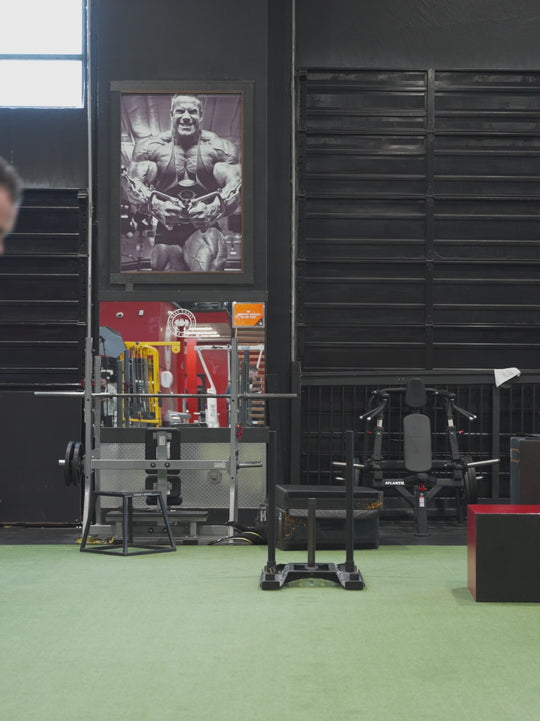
187	179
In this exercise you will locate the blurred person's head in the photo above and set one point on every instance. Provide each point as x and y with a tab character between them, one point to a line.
10	199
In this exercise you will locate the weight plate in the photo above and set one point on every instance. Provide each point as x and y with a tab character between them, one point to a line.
67	462
470	486
73	463
77	462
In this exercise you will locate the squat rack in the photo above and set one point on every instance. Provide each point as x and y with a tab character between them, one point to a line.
92	461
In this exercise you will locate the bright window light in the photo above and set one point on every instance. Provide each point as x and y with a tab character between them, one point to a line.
41	83
41	54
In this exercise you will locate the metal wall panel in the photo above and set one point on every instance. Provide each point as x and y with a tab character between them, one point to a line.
43	301
419	219
331	408
43	293
418	206
361	208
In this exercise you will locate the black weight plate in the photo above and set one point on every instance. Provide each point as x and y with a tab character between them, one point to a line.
77	463
470	486
68	458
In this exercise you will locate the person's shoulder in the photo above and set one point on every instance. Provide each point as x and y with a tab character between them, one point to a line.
152	143
208	137
218	145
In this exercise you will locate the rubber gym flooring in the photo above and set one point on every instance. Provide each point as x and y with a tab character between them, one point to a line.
191	636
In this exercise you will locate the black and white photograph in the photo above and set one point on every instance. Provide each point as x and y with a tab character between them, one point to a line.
181	182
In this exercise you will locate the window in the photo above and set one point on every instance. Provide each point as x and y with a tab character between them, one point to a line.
42	54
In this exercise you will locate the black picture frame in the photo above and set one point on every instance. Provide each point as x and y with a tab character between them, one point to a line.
227	111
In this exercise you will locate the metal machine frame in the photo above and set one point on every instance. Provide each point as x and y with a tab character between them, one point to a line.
418	477
86	467
275	575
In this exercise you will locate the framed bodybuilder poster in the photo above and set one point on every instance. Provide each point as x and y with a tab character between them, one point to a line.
182	173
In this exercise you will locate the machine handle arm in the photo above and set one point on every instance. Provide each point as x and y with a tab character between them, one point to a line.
470	416
487	462
368	415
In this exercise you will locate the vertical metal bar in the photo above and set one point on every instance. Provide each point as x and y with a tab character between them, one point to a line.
162	454
323	435
521	408
343	424
243	387
354	409
420	512
496	439
296	424
311	531
233	444
294	188
349	505
120	402
271	465
429	320
86	526
533	408
130	519
145	384
166	521
92	479
88	346
125	524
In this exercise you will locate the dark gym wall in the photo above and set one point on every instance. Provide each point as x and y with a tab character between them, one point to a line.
137	40
250	39
411	34
145	40
415	35
48	147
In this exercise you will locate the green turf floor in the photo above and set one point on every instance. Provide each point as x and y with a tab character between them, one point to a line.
189	636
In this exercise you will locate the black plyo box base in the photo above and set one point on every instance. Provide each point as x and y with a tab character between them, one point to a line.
328	497
292	516
503	560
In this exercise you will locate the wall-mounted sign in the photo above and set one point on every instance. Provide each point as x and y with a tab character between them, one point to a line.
248	315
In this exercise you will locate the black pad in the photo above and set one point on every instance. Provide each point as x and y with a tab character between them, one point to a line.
150	442
415	393
150	446
173	477
417	443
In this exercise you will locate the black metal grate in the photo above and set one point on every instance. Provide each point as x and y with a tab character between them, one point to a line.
328	410
418	220
418	206
43	293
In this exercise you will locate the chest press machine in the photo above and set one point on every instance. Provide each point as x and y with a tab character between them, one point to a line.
418	476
